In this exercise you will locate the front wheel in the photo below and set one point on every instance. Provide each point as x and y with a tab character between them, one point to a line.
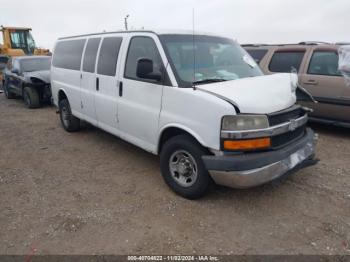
69	122
182	167
31	97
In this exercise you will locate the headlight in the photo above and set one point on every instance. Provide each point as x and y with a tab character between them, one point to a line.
244	122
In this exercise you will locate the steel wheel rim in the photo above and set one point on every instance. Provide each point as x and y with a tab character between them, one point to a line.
183	168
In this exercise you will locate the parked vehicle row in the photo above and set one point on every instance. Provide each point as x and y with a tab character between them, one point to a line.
317	67
28	77
199	101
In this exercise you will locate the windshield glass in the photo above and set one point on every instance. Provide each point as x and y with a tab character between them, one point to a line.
35	64
214	59
22	39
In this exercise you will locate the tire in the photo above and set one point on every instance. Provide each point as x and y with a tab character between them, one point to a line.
69	122
8	93
31	97
182	167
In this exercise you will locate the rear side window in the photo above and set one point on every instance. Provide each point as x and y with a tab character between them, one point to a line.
141	47
68	54
91	54
324	63
257	54
286	61
107	59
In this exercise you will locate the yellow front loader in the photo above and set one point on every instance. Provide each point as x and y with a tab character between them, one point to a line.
18	41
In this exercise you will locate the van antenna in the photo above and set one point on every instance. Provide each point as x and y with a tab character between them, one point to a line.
194	53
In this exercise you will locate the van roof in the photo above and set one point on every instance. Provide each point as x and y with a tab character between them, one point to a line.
157	32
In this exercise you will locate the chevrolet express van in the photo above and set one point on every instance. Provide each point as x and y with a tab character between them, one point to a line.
197	100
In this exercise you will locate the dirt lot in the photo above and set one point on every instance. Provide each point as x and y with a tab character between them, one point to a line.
91	193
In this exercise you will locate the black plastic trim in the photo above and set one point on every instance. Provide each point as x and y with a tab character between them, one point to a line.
333	101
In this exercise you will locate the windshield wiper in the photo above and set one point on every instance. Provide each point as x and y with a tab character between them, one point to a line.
209	80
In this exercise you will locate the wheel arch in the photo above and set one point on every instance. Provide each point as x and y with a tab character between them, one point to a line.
172	130
61	95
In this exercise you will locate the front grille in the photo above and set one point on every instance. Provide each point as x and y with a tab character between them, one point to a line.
284	116
287	138
280	117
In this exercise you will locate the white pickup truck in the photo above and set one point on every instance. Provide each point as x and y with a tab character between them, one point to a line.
198	100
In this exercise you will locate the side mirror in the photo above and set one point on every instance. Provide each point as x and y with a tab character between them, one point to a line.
145	70
15	71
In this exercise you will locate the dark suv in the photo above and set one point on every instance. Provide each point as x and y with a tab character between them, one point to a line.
28	77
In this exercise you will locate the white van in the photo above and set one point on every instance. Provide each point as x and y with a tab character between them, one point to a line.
198	100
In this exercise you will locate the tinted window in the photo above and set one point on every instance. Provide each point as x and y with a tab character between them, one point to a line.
324	63
107	59
285	61
142	47
35	64
257	54
91	54
68	54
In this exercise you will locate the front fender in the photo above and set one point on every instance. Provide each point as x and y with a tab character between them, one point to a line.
182	127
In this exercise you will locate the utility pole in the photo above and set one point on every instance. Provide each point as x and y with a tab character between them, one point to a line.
126	22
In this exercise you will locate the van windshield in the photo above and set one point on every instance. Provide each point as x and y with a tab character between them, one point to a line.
204	59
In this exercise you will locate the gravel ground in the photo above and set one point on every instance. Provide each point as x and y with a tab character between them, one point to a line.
91	193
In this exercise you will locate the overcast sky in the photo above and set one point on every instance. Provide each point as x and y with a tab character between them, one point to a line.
248	21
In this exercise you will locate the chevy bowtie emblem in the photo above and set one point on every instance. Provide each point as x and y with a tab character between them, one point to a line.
293	125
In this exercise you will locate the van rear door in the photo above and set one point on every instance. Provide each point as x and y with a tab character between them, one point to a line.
106	94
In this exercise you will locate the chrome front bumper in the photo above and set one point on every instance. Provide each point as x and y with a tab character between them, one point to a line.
238	176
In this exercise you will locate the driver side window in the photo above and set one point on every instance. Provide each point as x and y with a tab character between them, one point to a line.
142	47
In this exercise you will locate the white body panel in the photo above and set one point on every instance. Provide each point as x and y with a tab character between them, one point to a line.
257	95
88	88
106	102
196	112
145	110
69	82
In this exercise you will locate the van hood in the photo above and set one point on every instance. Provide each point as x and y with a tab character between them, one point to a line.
256	95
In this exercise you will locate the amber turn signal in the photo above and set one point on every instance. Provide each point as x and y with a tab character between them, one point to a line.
249	144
